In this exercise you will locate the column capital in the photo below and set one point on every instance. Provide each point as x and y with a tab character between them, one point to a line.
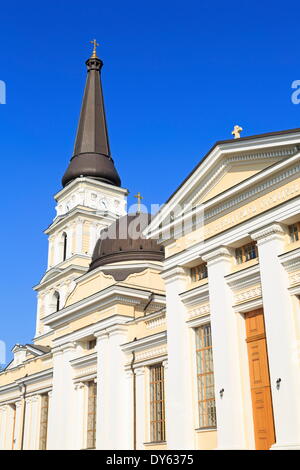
139	371
117	329
176	273
63	347
101	335
273	231
221	253
79	385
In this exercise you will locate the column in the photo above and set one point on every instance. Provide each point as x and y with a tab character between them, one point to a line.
103	398
140	407
18	424
34	427
57	248
79	236
93	237
281	336
113	400
226	356
50	251
80	427
62	409
3	418
27	424
179	416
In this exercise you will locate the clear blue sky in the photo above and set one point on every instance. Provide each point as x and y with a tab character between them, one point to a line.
177	76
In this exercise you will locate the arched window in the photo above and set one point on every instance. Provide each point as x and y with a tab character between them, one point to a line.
65	245
57	300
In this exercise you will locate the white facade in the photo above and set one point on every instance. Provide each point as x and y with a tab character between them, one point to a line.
134	327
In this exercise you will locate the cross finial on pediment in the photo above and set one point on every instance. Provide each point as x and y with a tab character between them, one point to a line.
237	131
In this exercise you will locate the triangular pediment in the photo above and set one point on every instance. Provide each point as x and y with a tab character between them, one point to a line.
229	174
227	167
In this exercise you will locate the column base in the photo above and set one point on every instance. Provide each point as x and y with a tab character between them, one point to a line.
232	448
287	446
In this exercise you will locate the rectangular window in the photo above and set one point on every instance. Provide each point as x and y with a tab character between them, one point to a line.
92	344
44	421
91	416
246	253
205	378
199	272
157	404
294	231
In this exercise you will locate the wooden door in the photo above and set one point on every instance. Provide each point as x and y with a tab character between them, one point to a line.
260	380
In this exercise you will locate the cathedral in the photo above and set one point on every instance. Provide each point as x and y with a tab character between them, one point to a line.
179	330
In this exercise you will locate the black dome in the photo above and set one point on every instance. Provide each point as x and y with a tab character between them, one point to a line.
123	241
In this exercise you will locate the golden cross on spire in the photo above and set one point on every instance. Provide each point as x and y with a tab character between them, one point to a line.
237	132
139	198
94	42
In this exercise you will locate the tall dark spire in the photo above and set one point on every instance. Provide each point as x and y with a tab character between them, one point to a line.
91	151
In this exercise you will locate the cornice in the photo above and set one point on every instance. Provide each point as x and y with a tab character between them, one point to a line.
232	196
291	260
244	278
89	182
195	322
248	306
145	343
246	191
233	234
62	220
112	295
242	158
84	361
28	380
61	272
195	296
96	329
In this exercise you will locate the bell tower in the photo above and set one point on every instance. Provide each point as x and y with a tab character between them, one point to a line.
90	200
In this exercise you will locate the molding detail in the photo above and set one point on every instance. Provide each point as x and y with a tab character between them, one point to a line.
241	158
151	353
174	274
199	312
248	295
156	322
219	254
268	233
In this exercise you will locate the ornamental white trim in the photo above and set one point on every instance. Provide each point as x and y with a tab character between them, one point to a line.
259	180
155	322
112	295
246	195
248	295
244	278
151	353
145	343
241	158
201	311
